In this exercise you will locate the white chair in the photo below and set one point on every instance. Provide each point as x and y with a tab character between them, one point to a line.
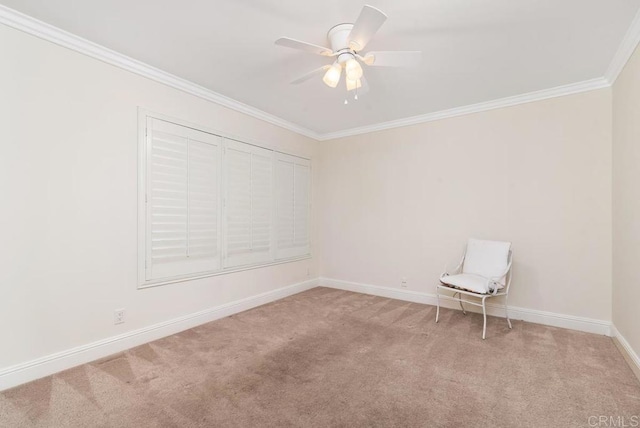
483	272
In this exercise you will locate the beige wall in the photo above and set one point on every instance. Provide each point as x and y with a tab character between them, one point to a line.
68	175
626	202
402	202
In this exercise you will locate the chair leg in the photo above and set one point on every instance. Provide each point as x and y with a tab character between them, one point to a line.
506	310
460	301
484	315
438	303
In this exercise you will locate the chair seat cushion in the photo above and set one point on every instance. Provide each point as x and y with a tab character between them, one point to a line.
469	282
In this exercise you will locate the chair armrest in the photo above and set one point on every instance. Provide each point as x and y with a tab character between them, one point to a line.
496	279
506	271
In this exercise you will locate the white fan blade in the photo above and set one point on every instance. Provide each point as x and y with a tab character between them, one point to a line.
309	47
393	58
369	21
311	74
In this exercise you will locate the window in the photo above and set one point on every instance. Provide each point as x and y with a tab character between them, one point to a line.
292	205
249	230
183	188
210	204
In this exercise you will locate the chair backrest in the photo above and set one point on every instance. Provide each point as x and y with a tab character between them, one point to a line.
486	258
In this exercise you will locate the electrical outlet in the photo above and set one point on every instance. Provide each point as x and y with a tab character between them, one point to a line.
118	316
403	282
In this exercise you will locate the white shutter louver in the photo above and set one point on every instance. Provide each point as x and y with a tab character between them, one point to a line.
293	184
248	215
183	191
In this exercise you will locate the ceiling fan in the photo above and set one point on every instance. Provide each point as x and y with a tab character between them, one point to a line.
346	41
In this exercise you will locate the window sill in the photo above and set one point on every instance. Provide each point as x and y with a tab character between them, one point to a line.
155	283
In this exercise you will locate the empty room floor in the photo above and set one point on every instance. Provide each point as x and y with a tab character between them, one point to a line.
327	357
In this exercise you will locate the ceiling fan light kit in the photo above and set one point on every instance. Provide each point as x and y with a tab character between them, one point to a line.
353	84
332	76
353	69
346	40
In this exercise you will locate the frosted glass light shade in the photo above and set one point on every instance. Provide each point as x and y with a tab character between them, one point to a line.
332	76
353	84
353	69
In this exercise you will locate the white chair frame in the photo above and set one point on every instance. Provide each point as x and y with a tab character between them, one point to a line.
484	296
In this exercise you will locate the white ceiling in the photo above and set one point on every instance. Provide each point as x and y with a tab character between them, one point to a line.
473	51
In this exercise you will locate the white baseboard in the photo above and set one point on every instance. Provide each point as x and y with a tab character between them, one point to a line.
515	313
627	351
54	363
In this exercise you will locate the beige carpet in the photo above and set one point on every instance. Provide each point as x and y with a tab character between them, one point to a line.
334	358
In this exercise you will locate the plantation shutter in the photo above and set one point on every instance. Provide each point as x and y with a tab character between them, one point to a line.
182	200
293	184
248	218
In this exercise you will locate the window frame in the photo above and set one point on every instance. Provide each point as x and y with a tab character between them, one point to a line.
142	163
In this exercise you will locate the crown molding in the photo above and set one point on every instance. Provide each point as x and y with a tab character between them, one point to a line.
35	27
625	50
573	88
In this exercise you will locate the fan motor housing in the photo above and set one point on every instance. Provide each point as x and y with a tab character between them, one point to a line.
338	39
